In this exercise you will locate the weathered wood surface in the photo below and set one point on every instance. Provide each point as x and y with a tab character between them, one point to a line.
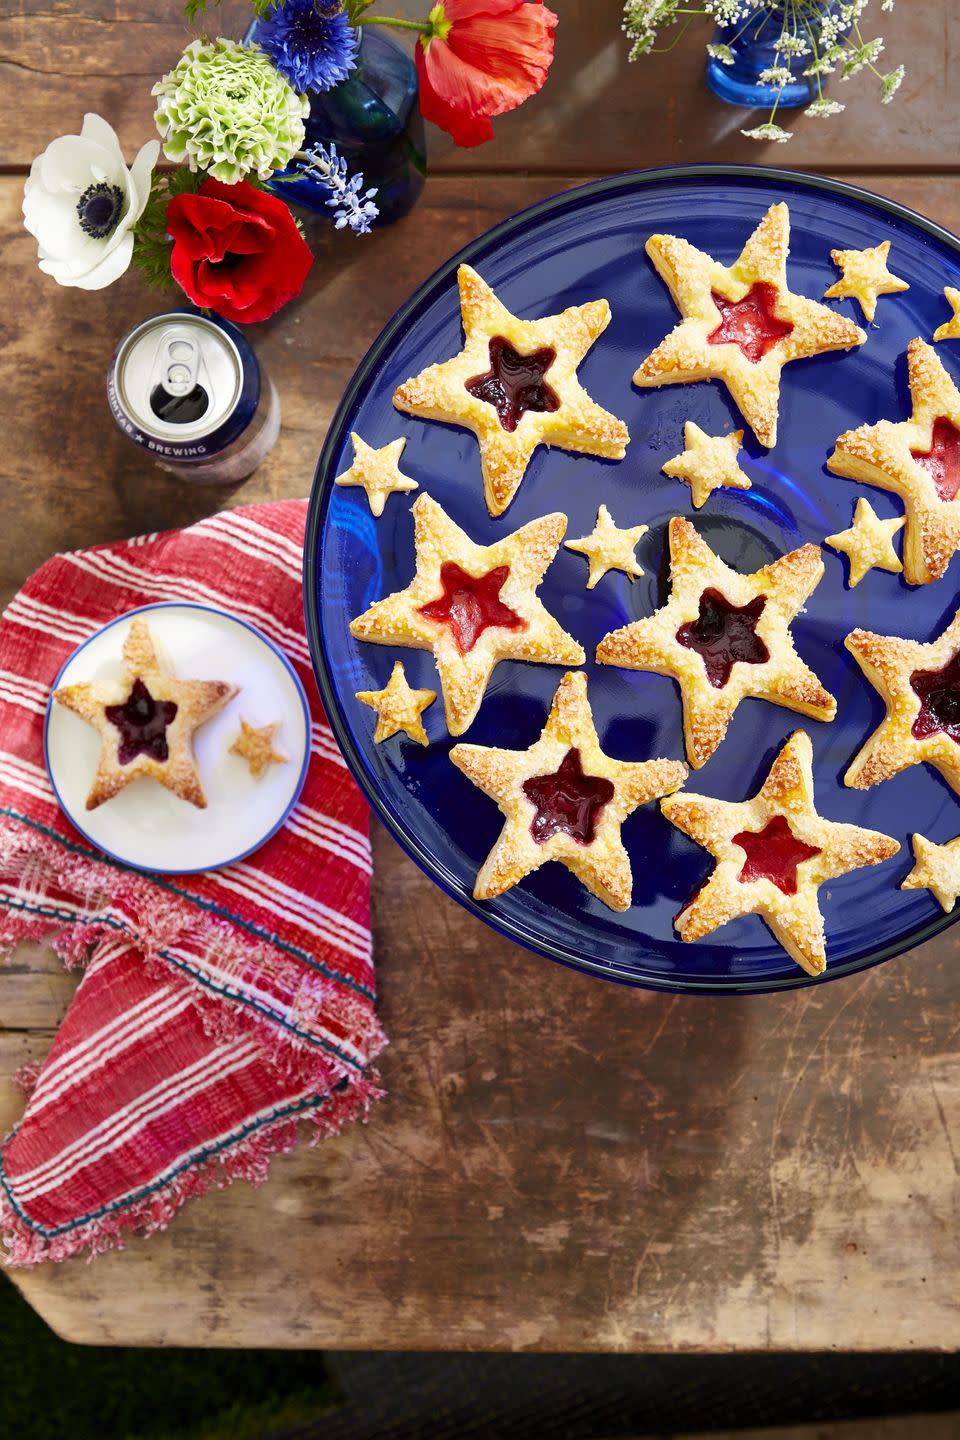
560	1164
597	113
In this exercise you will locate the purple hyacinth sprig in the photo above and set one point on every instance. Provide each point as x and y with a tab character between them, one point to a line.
351	204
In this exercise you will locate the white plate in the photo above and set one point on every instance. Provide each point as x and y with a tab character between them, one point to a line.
145	825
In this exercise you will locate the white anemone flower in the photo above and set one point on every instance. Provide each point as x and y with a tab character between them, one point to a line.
81	203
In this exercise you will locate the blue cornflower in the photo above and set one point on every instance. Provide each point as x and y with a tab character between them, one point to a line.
311	42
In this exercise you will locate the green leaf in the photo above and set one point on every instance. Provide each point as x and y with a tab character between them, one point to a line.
151	244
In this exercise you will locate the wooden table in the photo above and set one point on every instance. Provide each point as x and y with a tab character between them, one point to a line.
560	1164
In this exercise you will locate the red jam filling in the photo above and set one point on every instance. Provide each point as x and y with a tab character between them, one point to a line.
750	322
942	460
567	802
471	604
142	722
773	853
515	383
939	692
723	634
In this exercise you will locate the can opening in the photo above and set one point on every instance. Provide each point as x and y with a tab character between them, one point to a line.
179	409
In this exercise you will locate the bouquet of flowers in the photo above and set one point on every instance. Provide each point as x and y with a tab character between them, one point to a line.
824	33
231	119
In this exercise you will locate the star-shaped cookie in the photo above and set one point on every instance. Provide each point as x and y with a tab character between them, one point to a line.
741	323
377	472
398	707
514	384
473	605
920	684
919	460
773	853
865	277
723	637
609	548
146	721
255	745
564	799
950	329
937	868
868	544
708	463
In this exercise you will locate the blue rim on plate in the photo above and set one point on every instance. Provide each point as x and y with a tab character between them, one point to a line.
575	246
301	695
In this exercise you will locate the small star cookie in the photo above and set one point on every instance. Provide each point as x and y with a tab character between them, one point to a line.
937	868
708	463
917	459
398	707
473	605
255	745
865	277
608	548
377	472
920	684
514	384
723	637
741	323
773	853
146	721
868	543
950	329
564	799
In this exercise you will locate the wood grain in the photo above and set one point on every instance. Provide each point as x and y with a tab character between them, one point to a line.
560	1164
597	113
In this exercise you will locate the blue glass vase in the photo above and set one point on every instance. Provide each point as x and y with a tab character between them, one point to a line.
754	47
373	117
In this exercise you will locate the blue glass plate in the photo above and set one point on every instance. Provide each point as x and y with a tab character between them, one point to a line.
574	247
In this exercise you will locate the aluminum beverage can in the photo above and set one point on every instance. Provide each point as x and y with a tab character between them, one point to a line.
188	389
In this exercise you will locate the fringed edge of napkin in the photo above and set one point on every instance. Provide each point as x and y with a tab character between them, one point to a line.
338	1086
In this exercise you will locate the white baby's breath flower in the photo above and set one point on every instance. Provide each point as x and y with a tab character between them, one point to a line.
81	203
793	45
866	54
891	84
823	108
769	131
775	75
822	66
723	53
887	5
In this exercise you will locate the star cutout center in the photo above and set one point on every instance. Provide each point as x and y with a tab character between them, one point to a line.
471	604
868	544
950	329
865	277
564	799
377	472
939	695
942	460
723	637
609	548
750	322
142	722
708	463
398	707
255	745
515	385
772	854
937	868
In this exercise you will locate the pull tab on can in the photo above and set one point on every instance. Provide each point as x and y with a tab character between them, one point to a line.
177	395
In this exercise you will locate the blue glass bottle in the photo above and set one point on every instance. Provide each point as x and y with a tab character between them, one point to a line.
754	46
373	117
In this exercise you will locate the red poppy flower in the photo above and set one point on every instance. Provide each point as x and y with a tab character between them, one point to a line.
236	250
482	57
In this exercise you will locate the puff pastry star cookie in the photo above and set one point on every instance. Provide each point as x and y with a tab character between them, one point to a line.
741	323
950	329
937	868
564	799
868	544
865	277
708	463
917	459
920	684
609	548
514	384
398	707
377	472
723	637
773	853
146	721
473	605
255	745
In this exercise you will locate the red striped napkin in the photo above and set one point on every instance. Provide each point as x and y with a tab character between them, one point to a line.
215	1010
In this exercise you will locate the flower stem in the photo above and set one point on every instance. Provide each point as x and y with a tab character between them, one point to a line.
423	26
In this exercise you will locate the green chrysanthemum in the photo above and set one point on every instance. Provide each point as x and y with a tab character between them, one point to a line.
225	109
